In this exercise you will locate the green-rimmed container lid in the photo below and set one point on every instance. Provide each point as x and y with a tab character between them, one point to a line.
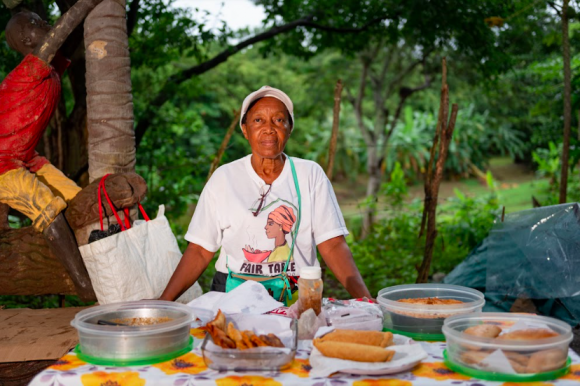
501	377
419	336
121	362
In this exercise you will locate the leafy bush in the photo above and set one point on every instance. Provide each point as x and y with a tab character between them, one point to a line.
548	162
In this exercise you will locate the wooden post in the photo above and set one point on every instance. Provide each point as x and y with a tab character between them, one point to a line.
216	161
567	103
444	134
334	136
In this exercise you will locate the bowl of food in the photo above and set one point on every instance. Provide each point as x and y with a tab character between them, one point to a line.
247	344
133	333
507	347
418	310
256	255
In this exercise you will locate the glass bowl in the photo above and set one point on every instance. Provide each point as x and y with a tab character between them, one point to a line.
255	359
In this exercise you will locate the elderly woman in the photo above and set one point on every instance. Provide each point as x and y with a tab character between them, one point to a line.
291	196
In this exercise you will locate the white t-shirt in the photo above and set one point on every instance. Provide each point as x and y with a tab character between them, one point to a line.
260	245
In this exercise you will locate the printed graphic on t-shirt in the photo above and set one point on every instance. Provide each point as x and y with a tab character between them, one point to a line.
270	260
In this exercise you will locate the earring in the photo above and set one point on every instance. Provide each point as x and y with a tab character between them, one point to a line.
280	228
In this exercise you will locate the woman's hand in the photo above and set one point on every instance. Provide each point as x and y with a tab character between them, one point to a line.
193	263
338	257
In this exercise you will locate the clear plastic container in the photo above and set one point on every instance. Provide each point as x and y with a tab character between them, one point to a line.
132	345
310	287
255	359
425	321
507	360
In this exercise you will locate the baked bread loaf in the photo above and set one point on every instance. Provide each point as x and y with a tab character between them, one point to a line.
371	338
353	351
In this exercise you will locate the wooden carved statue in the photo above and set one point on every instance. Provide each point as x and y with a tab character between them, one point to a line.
28	98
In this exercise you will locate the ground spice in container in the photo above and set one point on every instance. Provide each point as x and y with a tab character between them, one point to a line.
310	290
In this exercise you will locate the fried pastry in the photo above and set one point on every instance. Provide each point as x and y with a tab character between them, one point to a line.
546	360
220	338
257	341
236	336
473	357
246	337
529	334
517	358
484	331
371	338
276	342
353	351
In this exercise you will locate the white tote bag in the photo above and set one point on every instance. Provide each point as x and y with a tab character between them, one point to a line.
135	263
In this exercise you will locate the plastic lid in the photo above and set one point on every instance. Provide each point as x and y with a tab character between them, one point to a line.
310	273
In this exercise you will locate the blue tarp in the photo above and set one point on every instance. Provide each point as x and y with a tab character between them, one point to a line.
533	254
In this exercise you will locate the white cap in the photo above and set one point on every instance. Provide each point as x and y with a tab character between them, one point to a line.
310	273
267	91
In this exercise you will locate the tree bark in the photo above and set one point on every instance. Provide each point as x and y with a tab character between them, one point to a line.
567	104
109	99
62	29
28	267
444	130
334	135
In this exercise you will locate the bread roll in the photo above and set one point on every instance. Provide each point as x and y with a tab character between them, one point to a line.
353	351
529	334
484	331
546	360
371	338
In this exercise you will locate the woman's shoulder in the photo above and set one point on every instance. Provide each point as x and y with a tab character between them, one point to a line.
309	168
306	164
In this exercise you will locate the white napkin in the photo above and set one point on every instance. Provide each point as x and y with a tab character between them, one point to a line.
407	353
249	298
497	362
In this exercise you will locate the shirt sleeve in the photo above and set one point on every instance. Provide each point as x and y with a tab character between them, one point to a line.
204	228
327	217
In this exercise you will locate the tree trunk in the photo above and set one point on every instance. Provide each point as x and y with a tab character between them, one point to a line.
567	103
28	267
109	100
373	185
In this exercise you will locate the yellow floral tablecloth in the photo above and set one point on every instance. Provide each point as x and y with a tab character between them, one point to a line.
190	370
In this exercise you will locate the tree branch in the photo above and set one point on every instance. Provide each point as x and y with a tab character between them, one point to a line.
169	89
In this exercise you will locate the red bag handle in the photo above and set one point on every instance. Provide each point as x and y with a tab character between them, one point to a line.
125	210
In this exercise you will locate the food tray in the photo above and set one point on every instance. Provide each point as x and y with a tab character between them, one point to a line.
507	360
255	359
123	345
425	321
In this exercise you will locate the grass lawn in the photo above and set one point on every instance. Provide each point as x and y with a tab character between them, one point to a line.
516	185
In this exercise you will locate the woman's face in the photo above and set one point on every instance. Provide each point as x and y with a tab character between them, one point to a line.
267	127
272	229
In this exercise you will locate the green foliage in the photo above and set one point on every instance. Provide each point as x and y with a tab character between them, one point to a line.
476	138
549	166
391	253
45	301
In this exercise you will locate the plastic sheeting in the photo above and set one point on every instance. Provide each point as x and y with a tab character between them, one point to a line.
533	254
